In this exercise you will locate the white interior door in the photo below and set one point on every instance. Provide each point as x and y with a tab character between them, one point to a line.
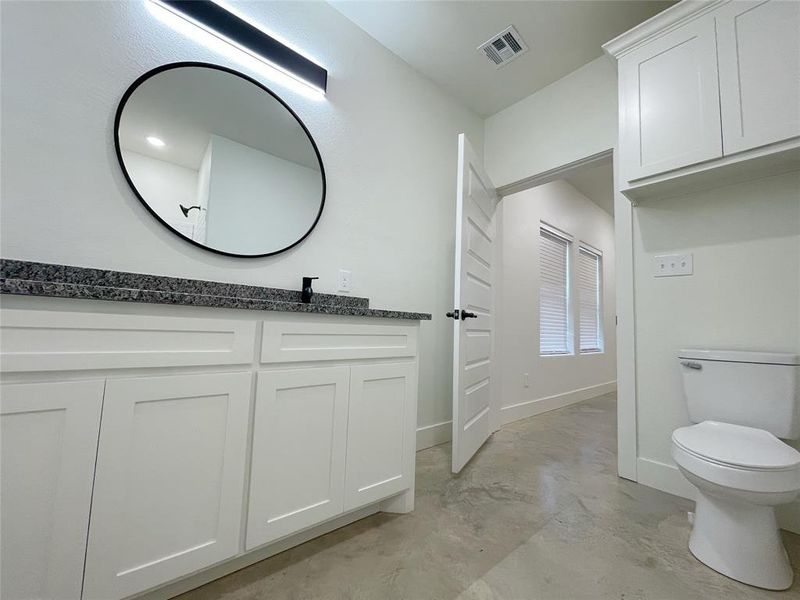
473	315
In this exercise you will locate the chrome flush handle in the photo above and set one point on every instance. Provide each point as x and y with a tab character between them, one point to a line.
691	365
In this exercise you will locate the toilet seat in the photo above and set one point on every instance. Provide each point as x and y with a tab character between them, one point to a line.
738	457
736	446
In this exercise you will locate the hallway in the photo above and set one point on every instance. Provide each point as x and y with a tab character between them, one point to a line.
538	514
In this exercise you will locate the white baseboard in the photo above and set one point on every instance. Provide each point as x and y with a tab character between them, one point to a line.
529	408
433	435
668	478
664	477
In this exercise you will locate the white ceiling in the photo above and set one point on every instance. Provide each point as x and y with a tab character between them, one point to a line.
183	107
439	39
596	182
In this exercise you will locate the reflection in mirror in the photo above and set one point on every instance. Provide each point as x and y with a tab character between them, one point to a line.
220	159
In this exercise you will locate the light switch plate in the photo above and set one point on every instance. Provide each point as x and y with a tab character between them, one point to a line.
345	280
673	265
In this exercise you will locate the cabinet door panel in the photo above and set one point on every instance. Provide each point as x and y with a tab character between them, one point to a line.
170	480
297	469
380	433
49	443
759	72
669	99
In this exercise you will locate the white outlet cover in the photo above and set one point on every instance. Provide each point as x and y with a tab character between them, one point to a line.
345	280
673	265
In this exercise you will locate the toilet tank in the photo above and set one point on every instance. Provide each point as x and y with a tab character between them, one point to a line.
756	389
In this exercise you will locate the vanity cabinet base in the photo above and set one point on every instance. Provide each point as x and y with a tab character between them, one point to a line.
192	447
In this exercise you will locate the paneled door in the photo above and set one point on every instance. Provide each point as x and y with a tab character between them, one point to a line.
170	477
759	72
48	441
381	421
473	314
669	102
299	441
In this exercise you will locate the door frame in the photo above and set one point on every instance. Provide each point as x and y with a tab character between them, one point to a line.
627	449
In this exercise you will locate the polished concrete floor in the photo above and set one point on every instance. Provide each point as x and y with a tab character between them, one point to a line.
538	513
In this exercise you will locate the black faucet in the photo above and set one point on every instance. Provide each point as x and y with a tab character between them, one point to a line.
305	297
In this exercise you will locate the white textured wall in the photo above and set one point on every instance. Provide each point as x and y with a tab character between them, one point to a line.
562	206
744	294
569	119
388	138
258	202
163	184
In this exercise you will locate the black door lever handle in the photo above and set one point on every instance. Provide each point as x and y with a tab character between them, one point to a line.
468	315
453	314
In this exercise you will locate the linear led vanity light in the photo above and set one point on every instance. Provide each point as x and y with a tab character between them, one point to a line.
234	30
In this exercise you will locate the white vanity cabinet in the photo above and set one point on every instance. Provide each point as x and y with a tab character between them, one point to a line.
330	439
182	443
48	443
169	480
299	437
708	91
380	432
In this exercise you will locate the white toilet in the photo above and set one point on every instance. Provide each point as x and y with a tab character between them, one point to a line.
741	402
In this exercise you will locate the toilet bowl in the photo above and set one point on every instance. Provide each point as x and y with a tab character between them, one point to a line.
743	404
741	474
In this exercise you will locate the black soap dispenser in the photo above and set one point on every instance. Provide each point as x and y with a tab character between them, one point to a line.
305	296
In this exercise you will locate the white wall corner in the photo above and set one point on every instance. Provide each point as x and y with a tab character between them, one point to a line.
433	435
664	477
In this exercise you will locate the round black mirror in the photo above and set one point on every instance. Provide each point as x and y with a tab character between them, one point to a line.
220	159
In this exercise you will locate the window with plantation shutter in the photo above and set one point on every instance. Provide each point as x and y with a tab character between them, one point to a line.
554	331
590	274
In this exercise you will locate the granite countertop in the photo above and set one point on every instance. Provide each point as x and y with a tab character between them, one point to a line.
26	278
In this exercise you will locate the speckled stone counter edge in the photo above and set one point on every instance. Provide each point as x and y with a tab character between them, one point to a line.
61	281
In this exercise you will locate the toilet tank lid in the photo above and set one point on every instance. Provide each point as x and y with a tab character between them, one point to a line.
740	356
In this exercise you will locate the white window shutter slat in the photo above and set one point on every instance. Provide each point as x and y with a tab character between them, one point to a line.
589	286
553	294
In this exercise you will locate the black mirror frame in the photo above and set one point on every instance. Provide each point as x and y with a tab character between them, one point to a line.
176	65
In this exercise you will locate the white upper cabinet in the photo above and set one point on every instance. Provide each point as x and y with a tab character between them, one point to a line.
48	434
709	95
169	483
299	442
669	102
759	72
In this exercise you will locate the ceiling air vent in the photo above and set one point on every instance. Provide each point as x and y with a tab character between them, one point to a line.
504	47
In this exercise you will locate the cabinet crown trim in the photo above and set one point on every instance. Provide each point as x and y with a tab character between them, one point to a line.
672	18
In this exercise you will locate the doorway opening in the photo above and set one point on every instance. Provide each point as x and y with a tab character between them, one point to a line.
536	268
556	304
